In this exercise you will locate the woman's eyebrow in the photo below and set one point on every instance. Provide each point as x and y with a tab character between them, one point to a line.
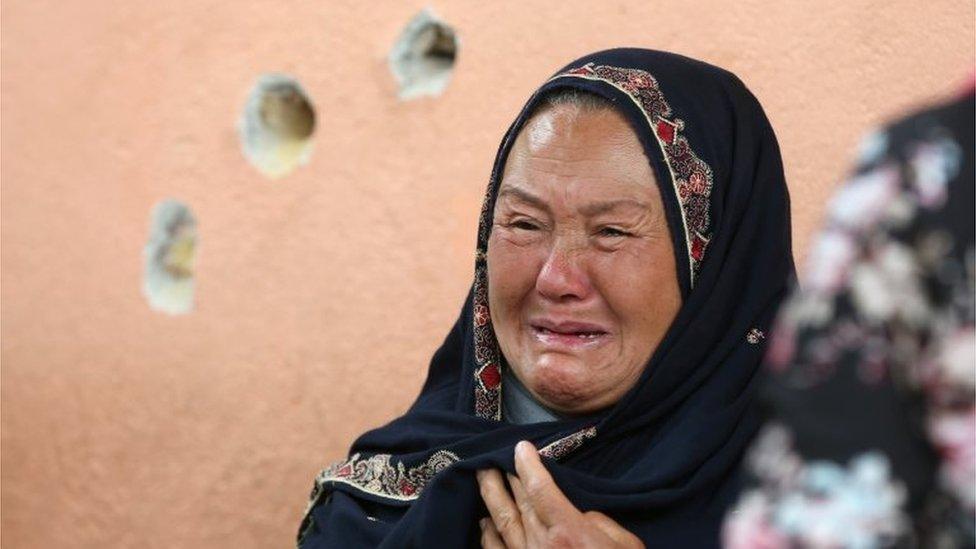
523	196
596	208
591	209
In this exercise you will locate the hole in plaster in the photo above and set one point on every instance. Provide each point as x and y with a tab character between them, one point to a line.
169	256
422	60
277	125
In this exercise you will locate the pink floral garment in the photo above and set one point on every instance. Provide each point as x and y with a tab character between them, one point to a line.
871	440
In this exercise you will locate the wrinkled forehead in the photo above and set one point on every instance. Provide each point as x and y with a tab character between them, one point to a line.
571	132
583	158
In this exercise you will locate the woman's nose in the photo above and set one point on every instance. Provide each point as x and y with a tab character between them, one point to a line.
562	277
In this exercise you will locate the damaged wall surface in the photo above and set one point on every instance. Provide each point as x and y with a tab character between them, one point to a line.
317	298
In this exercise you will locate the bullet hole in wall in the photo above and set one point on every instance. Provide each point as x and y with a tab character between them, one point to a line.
169	256
277	125
422	60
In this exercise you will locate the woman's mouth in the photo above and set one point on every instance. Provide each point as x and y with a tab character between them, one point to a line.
584	335
568	335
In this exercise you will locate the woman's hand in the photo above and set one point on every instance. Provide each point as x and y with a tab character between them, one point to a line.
540	515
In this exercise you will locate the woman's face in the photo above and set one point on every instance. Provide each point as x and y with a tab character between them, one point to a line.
582	283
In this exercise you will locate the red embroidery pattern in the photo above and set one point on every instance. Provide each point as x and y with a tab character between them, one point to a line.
690	175
487	355
488	368
377	475
568	444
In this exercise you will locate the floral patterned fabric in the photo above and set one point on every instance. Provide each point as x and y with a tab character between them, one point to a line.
872	434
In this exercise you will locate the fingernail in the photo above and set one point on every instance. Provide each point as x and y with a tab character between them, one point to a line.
521	448
480	474
483	523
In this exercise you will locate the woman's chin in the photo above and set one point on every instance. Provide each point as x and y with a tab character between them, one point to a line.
561	385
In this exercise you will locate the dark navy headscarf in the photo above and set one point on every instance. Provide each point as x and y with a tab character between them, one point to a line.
663	460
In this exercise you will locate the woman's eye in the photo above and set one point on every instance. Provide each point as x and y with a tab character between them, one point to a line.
524	225
613	232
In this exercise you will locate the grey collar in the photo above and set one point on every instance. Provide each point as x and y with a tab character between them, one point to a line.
518	404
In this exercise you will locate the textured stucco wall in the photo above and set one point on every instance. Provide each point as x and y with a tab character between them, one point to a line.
320	296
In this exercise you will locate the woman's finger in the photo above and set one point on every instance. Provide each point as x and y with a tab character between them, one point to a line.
490	538
535	531
545	497
504	512
521	498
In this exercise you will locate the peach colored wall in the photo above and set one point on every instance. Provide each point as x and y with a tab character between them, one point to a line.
320	296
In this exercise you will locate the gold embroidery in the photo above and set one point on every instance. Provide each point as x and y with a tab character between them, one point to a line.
568	444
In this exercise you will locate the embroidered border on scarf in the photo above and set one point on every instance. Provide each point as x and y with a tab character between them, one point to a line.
568	444
690	175
379	476
488	369
487	355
